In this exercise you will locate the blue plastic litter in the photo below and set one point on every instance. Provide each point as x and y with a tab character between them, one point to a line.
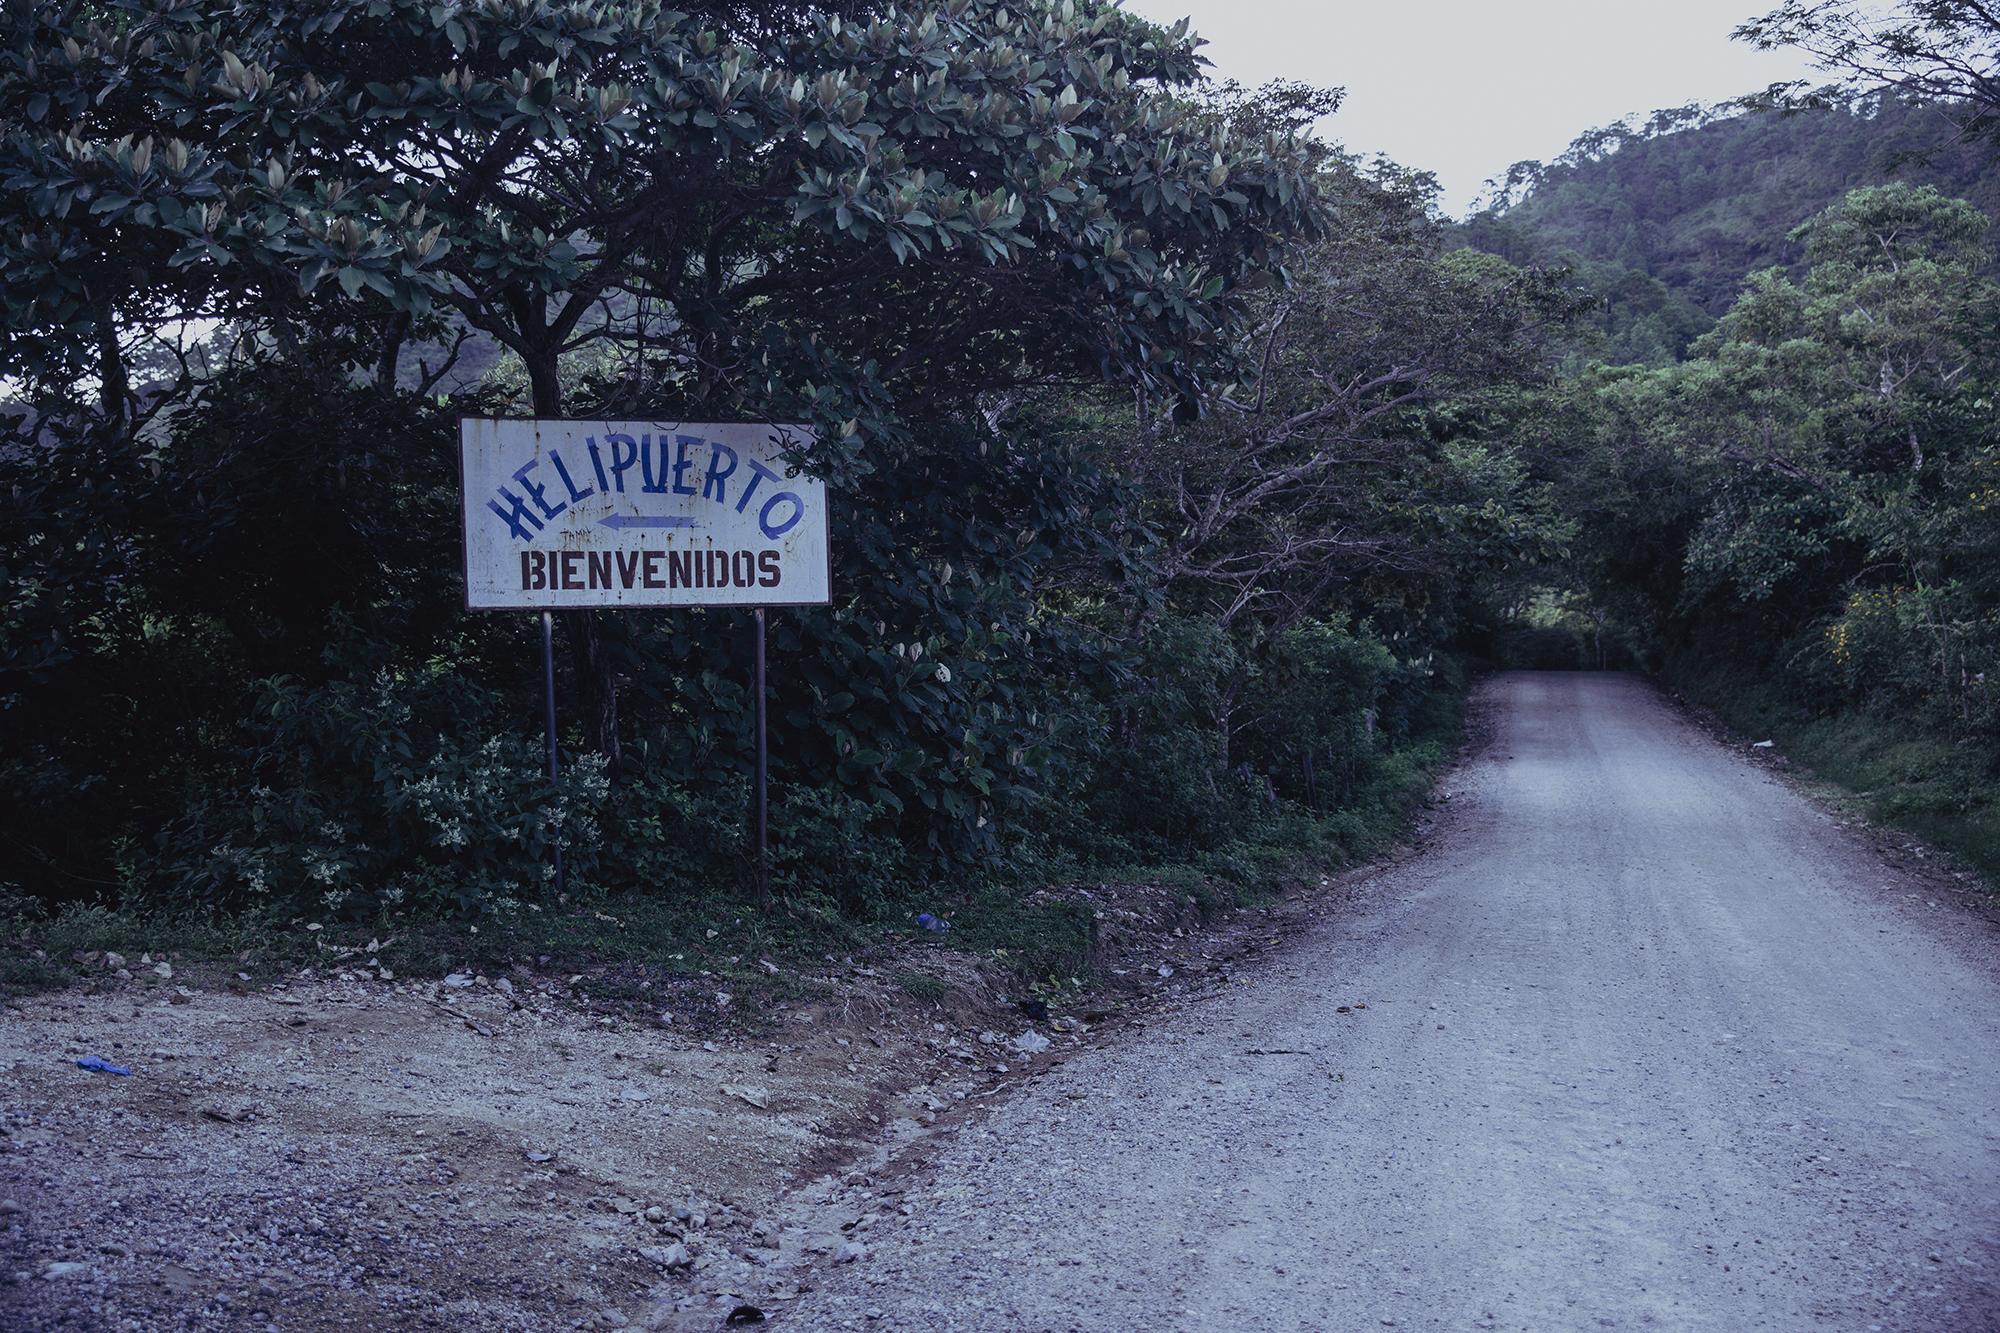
929	922
99	1064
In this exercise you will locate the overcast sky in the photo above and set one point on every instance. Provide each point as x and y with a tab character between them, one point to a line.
1466	88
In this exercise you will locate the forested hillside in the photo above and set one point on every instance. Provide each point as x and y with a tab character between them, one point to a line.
1662	220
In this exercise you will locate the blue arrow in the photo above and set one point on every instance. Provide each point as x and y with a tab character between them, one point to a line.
648	521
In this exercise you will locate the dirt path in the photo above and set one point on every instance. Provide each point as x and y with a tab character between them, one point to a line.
351	1152
1645	1040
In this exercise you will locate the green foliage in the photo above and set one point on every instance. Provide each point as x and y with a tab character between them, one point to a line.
1318	697
906	228
1799	514
1559	630
378	794
451	157
1937	52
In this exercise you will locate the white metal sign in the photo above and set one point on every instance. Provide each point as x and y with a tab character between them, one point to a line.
639	513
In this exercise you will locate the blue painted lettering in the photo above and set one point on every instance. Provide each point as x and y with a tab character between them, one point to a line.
536	491
775	530
763	474
624	454
519	521
711	485
682	462
563	472
656	481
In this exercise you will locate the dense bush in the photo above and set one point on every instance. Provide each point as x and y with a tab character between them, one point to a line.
391	791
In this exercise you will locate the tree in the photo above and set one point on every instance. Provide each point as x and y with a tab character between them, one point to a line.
1945	52
1364	458
1807	493
786	212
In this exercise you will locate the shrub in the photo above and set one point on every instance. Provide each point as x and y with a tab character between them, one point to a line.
383	793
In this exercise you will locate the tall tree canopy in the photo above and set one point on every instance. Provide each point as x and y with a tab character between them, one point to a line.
744	215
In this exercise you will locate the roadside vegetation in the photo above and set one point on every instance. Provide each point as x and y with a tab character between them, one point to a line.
1185	466
1785	489
1170	450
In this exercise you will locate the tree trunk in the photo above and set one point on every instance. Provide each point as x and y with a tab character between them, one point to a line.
390	359
590	655
114	391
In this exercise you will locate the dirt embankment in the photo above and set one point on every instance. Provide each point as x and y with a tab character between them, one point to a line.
353	1149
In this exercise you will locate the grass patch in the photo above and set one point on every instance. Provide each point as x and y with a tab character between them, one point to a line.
921	986
632	949
1045	937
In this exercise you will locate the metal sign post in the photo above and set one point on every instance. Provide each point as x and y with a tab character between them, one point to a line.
567	515
759	801
549	705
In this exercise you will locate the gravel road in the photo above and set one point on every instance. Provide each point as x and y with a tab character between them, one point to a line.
1644	1039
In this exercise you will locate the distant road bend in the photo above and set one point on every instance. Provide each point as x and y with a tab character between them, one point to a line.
1650	1042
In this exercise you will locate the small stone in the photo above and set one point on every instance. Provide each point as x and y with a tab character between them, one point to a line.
458	981
850	1251
164	971
231	1112
182	995
11	1208
113	961
748	1092
667	1256
57	1271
